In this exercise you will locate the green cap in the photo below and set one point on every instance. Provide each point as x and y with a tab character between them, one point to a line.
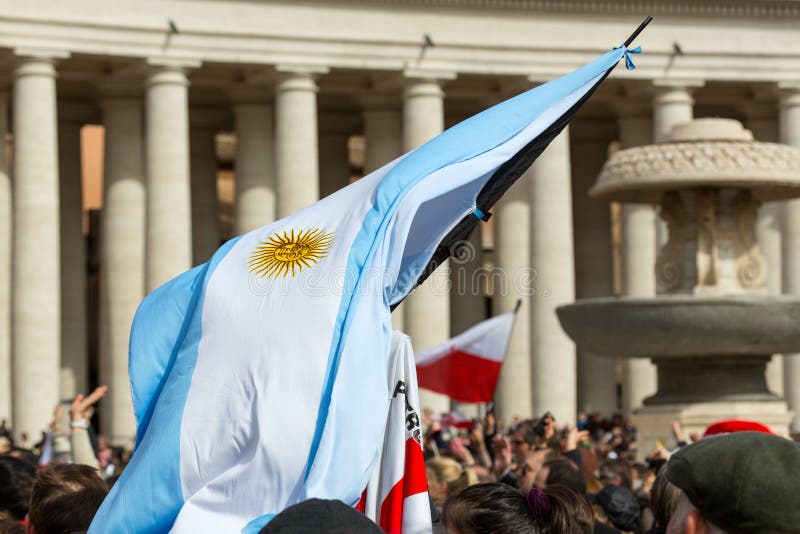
744	482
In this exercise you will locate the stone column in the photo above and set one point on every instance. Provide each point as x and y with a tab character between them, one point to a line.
383	129
514	278
638	252
169	217
6	235
255	162
36	330
122	253
789	133
597	382
74	343
296	152
204	124
761	119
426	313
334	156
672	104
553	364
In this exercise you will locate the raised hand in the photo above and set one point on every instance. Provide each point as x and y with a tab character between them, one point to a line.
82	406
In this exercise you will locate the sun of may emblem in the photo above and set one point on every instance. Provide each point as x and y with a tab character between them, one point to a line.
287	253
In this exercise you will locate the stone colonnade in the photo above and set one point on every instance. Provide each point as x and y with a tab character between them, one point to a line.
551	241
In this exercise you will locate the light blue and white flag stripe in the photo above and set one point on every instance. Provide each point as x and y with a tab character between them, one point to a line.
254	392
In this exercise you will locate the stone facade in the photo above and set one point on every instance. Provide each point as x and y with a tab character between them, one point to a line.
294	81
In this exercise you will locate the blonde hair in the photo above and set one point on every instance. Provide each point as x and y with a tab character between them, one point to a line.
456	477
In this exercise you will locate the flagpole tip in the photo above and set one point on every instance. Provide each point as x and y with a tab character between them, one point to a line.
638	30
518	305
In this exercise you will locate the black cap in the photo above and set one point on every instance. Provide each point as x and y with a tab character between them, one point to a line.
620	505
317	516
743	482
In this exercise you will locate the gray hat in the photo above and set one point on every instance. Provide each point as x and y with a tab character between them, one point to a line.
747	482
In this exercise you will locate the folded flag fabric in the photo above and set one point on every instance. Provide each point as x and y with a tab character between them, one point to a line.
396	497
259	378
466	367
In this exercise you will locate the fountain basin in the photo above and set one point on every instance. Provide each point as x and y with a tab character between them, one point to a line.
684	325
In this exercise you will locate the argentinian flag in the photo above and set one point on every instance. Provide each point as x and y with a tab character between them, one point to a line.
259	377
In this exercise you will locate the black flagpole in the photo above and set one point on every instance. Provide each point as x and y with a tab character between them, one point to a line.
638	30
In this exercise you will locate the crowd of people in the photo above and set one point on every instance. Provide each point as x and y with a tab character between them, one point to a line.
531	476
536	477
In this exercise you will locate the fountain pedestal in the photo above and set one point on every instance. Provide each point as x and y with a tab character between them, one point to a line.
711	329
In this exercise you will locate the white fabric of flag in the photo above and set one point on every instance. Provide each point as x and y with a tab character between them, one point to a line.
259	377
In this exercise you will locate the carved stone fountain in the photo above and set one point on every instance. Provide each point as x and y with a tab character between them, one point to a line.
711	329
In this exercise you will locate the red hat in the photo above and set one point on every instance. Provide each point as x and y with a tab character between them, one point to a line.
729	426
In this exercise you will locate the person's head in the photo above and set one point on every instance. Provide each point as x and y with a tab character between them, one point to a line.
619	506
527	470
446	477
523	439
64	497
318	515
686	519
616	472
740	482
497	507
664	497
5	444
561	472
16	481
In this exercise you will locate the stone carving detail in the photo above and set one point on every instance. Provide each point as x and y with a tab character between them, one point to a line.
711	249
751	267
707	257
697	162
715	8
669	264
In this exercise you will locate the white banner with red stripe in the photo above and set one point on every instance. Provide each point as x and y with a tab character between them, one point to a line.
396	497
466	367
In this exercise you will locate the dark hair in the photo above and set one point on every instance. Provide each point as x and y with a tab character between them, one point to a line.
500	509
664	497
528	431
563	472
16	481
613	468
65	497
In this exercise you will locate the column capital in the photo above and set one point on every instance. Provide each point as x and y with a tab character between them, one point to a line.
675	91
687	84
428	75
301	69
298	79
415	86
173	63
30	64
41	54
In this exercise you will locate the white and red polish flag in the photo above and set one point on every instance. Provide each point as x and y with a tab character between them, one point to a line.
396	497
466	367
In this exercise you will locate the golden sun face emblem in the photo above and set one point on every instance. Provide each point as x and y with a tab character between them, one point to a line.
287	253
